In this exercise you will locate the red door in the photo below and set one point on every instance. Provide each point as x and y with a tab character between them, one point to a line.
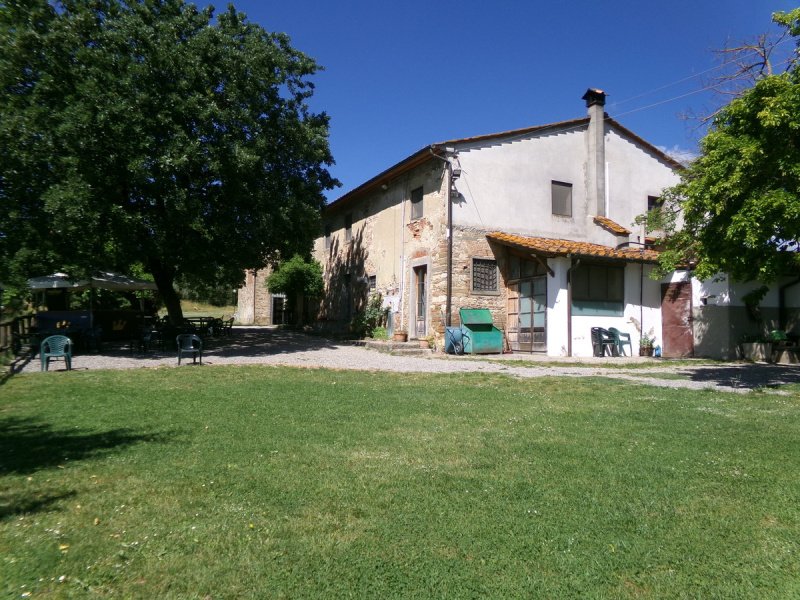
676	320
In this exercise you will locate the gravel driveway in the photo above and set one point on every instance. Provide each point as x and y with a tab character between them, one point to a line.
272	346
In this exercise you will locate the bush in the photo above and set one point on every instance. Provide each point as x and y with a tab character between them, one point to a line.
374	315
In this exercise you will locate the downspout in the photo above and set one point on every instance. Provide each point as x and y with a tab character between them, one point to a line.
255	277
782	320
448	309
572	267
449	300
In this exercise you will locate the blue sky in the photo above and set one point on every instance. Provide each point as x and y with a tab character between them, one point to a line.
401	75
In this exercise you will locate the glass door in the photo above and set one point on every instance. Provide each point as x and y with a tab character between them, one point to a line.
421	308
527	315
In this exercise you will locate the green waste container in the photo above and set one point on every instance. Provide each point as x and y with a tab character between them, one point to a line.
480	336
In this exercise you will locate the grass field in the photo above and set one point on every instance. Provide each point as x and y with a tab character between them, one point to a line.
255	482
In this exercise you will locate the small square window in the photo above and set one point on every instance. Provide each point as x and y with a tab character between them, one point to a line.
327	236
416	203
372	281
348	227
485	278
562	198
653	203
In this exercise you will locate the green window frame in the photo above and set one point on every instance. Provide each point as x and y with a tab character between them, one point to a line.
598	290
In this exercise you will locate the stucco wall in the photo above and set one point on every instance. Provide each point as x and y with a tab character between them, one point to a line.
721	318
507	186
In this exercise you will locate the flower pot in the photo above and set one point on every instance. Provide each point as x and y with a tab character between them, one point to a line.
424	344
645	351
400	336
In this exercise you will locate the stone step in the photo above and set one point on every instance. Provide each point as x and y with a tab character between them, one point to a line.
398	348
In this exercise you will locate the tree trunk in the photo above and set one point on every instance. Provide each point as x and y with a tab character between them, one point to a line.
164	278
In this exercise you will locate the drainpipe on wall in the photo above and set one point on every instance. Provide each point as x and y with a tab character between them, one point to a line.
449	234
782	320
572	267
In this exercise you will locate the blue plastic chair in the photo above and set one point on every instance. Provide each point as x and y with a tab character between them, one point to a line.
188	343
56	346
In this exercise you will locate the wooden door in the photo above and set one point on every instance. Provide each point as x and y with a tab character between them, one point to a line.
526	315
676	320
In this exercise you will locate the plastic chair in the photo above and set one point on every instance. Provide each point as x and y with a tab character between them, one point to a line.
603	342
227	327
620	339
56	346
188	343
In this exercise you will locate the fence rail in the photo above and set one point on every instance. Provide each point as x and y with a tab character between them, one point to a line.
11	330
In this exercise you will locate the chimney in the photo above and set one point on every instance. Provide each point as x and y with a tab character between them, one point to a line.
596	154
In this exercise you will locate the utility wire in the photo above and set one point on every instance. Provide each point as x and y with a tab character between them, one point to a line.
690	77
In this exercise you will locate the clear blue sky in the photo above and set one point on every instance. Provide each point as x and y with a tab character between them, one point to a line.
401	75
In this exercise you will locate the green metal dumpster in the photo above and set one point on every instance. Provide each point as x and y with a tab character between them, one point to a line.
480	336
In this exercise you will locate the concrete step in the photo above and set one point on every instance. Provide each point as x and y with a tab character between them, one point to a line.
398	348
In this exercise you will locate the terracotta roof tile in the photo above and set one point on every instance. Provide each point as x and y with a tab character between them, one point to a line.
611	226
555	247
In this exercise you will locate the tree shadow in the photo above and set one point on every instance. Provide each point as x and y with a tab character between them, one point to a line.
746	375
27	445
346	282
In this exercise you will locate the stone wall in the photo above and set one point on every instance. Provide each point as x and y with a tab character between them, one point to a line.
254	302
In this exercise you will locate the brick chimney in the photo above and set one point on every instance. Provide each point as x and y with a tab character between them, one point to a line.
596	151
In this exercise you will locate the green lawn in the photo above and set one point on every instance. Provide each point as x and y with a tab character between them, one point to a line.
255	482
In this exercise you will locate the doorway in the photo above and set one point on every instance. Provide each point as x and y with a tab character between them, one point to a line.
527	314
676	320
420	301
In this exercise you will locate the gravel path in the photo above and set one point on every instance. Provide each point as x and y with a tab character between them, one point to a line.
271	346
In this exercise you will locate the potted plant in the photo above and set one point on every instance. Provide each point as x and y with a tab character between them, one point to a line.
400	335
427	342
646	342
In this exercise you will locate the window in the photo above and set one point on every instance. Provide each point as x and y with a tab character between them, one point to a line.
372	281
562	198
653	203
484	276
327	236
598	290
416	203
348	227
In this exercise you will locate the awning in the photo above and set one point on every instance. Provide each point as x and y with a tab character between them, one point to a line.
100	280
555	247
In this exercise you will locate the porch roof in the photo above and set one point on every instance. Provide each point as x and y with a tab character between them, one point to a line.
554	247
611	226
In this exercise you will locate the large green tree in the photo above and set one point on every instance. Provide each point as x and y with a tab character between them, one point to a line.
737	207
148	132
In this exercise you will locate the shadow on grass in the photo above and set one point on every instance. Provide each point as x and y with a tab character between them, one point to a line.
21	503
242	342
26	445
746	375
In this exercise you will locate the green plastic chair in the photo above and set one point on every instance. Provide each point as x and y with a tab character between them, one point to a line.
620	339
56	346
188	343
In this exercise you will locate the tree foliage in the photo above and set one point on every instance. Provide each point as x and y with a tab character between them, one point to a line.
146	131
737	207
297	277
